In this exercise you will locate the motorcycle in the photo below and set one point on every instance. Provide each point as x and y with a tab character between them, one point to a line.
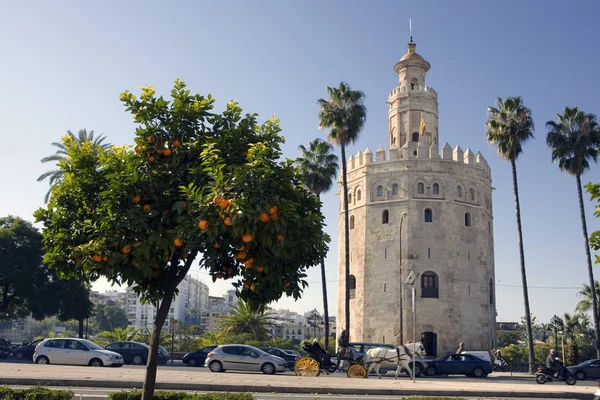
543	375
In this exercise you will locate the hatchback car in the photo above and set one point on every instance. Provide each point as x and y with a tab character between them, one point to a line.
136	353
245	358
459	364
197	358
287	356
75	352
587	369
25	352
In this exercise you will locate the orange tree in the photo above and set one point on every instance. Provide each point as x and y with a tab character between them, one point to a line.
198	185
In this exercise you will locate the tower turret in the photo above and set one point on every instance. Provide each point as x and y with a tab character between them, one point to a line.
411	100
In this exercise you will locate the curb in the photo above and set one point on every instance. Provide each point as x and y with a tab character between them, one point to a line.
204	387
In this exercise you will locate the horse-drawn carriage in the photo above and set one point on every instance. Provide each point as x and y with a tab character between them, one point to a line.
319	361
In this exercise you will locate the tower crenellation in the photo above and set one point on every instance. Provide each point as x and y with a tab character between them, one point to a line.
421	208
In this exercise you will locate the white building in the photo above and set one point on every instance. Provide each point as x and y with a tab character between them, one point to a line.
186	307
287	324
421	212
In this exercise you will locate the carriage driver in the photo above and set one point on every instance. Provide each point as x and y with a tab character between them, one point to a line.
345	350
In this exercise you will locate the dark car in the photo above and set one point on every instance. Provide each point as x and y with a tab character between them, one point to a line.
587	369
197	358
26	351
459	364
5	348
289	357
136	353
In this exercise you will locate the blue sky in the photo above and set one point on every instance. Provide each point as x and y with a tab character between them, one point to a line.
64	64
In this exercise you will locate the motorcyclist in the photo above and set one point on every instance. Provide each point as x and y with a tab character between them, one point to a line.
553	363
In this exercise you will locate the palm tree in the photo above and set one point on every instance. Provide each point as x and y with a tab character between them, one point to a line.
575	140
119	334
345	114
57	174
585	304
509	126
319	167
245	319
213	337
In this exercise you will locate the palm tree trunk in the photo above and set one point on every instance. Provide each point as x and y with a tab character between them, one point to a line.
523	274
325	307
161	315
346	239
589	265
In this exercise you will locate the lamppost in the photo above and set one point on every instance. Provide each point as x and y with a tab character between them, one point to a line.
404	214
410	281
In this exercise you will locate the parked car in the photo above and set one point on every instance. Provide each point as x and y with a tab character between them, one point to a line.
245	358
587	369
75	352
452	364
483	354
197	358
5	348
137	353
362	347
290	358
25	352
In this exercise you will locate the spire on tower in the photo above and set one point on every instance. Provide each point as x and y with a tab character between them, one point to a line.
410	29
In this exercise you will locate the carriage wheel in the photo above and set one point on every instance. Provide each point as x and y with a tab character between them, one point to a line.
357	371
307	366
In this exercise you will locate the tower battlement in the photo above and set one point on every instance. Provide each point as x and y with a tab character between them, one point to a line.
404	89
417	152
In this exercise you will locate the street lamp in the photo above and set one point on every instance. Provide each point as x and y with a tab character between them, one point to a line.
404	214
410	280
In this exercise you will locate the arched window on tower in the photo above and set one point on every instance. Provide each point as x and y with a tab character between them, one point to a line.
459	191
414	84
420	188
472	193
428	215
436	188
395	189
385	217
415	136
379	191
352	286
349	198
491	291
352	222
467	219
358	195
429	285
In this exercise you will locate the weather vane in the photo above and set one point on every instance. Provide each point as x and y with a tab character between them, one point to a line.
410	28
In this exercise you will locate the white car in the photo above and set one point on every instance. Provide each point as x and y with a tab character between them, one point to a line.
75	352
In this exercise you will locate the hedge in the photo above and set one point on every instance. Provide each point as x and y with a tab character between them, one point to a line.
35	393
165	395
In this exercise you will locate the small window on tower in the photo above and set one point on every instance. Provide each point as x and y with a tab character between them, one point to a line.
352	222
379	191
472	193
420	188
428	215
436	188
467	219
352	286
414	83
349	198
358	195
385	217
459	191
415	136
395	189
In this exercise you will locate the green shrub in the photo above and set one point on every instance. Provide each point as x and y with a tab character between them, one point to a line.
165	395
35	393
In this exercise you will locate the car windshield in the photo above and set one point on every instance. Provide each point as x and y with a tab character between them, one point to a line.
261	352
91	345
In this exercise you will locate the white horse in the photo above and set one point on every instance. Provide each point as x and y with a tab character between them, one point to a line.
398	356
416	348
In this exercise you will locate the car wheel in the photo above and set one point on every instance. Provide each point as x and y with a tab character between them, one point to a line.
478	372
580	375
42	360
96	362
431	371
137	360
192	362
216	366
268	369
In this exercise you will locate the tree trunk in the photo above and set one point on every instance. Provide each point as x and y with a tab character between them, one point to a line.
161	316
325	307
346	240
589	266
523	274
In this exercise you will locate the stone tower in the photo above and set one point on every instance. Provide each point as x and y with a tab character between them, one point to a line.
423	212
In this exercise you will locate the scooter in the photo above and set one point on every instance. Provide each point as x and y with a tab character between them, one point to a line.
543	375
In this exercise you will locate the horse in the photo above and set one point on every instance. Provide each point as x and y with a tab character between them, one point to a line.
400	356
416	348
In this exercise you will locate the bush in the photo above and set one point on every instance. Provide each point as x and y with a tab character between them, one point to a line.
35	393
165	395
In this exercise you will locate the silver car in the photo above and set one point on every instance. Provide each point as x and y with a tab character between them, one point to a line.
245	358
75	352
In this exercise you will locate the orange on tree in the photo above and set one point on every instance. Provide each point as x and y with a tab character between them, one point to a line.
137	198
178	242
160	151
216	245
138	149
252	287
264	217
249	263
241	255
147	207
105	258
151	139
126	249
217	199
151	159
224	204
246	286
273	211
97	258
219	275
280	238
246	237
227	221
260	269
175	143
167	152
203	224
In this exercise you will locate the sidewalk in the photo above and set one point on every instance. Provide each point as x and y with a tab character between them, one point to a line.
497	385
